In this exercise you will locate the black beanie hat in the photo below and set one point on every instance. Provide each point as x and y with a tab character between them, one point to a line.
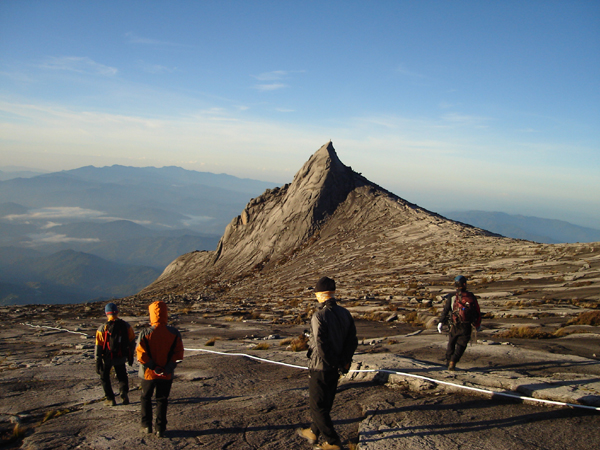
324	285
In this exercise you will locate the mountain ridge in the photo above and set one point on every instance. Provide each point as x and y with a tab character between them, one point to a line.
518	226
326	202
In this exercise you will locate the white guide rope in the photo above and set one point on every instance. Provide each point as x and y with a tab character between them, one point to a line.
55	328
394	372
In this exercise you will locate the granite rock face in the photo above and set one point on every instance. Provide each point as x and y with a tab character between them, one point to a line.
327	204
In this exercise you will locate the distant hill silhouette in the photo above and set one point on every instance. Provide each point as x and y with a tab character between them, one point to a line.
125	215
24	173
163	198
548	231
66	277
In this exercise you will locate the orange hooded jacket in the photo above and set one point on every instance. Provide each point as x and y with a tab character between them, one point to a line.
159	347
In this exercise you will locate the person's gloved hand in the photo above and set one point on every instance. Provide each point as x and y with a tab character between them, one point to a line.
439	327
99	366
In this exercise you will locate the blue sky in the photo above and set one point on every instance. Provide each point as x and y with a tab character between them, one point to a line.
452	105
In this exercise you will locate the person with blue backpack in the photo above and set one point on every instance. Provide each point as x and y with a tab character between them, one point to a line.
115	344
463	310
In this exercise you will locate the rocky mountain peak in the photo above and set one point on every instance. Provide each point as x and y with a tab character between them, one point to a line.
327	206
282	218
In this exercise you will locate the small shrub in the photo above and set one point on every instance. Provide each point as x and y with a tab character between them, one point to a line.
586	318
261	346
18	433
211	341
286	341
299	344
525	333
413	318
54	413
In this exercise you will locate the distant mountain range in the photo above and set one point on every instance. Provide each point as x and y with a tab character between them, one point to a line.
546	231
9	173
126	223
92	233
66	277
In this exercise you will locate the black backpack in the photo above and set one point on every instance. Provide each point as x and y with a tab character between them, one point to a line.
116	339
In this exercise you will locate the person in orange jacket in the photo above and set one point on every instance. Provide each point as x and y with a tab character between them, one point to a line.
115	344
159	349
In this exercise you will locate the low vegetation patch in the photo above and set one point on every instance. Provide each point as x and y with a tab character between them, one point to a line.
525	333
55	413
261	346
586	318
211	341
298	344
414	319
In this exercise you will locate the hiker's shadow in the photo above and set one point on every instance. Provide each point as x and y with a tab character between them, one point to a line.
443	429
192	400
229	430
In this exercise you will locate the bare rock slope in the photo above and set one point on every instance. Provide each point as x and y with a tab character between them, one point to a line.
328	205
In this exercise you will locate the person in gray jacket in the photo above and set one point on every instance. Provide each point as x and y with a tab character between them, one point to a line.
331	347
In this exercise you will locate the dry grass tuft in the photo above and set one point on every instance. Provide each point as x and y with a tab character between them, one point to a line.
286	341
18	433
586	318
525	333
261	346
413	318
298	344
211	341
55	413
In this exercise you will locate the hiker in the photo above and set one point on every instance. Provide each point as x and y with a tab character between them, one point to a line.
159	349
463	309
331	344
115	344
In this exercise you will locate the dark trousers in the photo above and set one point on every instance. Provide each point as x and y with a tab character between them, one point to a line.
460	335
163	389
121	372
322	386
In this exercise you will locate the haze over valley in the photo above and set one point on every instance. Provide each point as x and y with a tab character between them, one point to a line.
94	233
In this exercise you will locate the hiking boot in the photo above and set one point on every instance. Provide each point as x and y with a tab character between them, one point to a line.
307	434
110	402
328	446
147	430
451	366
160	433
125	398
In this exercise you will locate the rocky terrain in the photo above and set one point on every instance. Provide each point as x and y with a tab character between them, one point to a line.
392	261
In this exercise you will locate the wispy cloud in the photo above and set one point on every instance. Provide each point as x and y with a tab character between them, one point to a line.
466	120
272	76
51	213
133	38
285	110
275	78
78	64
409	73
270	87
155	68
54	238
